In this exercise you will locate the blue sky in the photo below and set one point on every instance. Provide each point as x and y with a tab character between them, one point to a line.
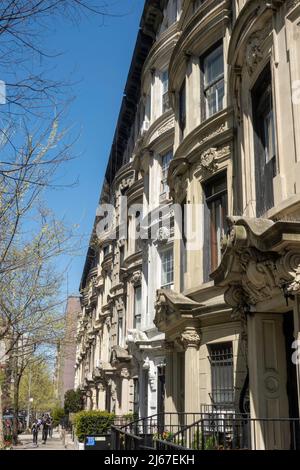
96	58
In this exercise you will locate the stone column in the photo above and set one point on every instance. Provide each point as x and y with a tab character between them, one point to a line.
190	340
101	397
169	400
125	391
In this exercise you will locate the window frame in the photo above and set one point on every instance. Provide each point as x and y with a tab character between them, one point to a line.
137	323
165	104
212	197
164	188
203	87
266	166
220	355
163	253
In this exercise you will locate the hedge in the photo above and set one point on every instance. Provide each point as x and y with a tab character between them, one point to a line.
91	423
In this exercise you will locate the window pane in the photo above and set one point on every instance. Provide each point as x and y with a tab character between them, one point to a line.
167	268
213	66
165	163
137	307
216	198
269	131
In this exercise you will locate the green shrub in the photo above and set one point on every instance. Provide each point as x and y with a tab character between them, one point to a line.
91	423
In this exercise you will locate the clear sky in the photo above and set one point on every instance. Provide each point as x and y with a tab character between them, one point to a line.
96	57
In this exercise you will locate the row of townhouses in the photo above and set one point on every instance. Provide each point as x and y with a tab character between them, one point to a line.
190	290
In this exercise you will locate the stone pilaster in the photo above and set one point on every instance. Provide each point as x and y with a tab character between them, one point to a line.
190	340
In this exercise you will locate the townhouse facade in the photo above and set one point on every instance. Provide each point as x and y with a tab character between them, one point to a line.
203	314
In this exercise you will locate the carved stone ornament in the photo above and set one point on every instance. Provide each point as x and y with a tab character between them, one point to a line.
254	53
108	322
126	183
215	133
254	49
180	185
125	373
208	158
135	335
136	278
190	338
163	234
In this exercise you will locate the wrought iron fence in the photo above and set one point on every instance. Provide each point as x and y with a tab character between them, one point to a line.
207	431
236	433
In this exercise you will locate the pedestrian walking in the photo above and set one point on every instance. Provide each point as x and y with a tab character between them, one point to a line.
50	427
45	428
35	432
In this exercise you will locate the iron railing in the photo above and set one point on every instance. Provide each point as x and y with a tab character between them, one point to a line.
236	433
157	426
207	431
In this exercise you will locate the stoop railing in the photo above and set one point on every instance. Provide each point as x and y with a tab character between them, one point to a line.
207	431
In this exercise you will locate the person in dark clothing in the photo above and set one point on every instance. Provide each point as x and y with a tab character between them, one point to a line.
50	426
35	432
45	428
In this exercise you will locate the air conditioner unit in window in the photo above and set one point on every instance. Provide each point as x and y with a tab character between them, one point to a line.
145	127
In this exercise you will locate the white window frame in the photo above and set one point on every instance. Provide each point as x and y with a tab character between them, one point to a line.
164	281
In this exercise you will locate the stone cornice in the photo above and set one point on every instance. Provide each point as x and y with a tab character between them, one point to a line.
161	48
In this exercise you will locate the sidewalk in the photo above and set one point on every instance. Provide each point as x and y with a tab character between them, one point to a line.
53	443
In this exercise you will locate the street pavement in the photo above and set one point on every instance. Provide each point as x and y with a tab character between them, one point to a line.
53	443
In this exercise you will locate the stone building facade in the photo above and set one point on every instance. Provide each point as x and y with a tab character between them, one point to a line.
66	353
203	314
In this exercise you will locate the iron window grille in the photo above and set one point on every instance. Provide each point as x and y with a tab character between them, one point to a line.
222	382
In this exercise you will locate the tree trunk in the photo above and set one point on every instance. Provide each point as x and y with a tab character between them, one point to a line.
1	419
16	413
16	401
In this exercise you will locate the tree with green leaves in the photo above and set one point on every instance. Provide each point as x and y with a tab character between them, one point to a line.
73	401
